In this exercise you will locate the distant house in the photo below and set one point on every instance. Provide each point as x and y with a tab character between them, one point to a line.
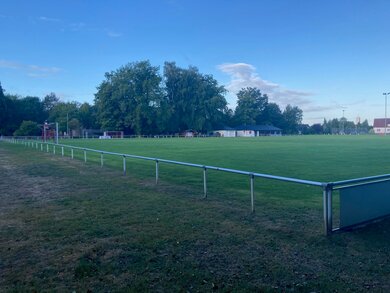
225	132
189	133
257	130
248	131
379	125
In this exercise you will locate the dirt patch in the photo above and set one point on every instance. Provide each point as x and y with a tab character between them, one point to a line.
20	185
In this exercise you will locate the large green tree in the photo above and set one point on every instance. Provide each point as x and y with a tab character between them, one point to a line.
272	115
193	100
30	109
28	128
15	109
293	118
49	101
87	116
251	105
62	112
129	98
5	113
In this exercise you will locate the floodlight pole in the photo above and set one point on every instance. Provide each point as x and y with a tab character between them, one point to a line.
44	131
385	94
56	132
67	124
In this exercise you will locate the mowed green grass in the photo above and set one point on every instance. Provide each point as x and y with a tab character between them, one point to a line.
66	225
317	158
320	158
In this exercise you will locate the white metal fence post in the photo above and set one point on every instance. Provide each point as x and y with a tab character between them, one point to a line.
85	156
101	160
156	171
204	182
327	206
252	193
124	165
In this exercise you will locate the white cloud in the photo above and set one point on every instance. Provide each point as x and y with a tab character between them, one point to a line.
30	70
9	64
112	34
76	26
245	75
66	26
48	19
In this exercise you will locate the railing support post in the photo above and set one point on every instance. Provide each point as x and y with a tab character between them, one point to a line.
101	160
204	182
62	151
54	149
41	147
156	171
124	165
327	203
85	156
47	148
71	153
252	193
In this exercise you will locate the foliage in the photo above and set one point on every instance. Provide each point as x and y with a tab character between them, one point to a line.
343	126
137	98
15	109
6	109
293	118
28	128
49	101
273	115
129	98
87	116
62	112
30	108
193	100
251	105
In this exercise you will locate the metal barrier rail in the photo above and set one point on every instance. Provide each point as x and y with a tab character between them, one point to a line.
327	187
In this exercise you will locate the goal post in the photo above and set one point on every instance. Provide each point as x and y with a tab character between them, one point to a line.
50	131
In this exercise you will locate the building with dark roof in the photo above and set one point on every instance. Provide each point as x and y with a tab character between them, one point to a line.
380	125
248	131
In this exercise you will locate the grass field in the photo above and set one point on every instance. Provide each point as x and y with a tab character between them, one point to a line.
321	158
66	225
318	158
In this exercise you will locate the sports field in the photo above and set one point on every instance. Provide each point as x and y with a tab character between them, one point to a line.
321	158
317	158
67	225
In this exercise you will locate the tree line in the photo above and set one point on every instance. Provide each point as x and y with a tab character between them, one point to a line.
139	99
337	126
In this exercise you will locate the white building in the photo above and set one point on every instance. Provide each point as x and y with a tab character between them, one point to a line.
249	131
225	132
379	125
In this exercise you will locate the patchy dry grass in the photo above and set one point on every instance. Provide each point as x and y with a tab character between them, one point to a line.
69	226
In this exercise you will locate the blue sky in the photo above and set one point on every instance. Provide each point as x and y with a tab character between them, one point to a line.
323	56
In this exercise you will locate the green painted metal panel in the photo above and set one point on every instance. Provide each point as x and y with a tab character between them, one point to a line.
362	203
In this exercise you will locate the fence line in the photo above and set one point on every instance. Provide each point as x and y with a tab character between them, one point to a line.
327	187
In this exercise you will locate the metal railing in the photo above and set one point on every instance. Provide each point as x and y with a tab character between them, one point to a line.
327	187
